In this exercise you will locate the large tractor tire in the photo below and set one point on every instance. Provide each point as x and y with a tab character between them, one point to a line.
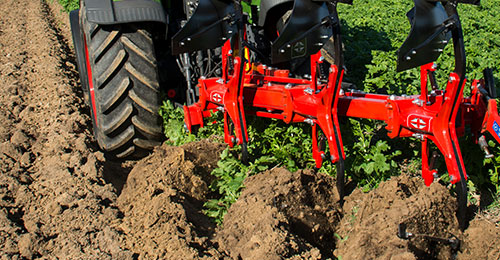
123	87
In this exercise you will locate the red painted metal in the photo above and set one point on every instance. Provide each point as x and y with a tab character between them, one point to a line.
90	80
438	116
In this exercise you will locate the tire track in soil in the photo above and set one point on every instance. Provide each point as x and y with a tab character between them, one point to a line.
55	202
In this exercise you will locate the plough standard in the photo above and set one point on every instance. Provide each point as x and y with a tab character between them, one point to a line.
258	81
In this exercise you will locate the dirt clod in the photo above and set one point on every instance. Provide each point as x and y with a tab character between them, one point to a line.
282	214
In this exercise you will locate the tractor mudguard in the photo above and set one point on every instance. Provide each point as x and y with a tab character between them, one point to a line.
124	11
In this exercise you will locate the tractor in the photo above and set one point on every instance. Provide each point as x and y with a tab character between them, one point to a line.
280	59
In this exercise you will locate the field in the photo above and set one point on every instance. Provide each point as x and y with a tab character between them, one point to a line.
61	198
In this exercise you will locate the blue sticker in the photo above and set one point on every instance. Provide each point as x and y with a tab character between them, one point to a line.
496	128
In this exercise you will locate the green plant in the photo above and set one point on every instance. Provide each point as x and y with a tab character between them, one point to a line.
69	5
173	124
370	161
340	238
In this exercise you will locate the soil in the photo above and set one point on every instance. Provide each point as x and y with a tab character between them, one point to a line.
61	199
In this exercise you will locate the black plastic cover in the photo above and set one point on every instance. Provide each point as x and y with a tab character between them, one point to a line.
266	6
124	11
209	27
307	30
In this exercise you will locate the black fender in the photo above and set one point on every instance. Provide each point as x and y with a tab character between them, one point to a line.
269	6
124	11
76	34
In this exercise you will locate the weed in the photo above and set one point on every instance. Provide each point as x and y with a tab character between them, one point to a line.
340	238
69	5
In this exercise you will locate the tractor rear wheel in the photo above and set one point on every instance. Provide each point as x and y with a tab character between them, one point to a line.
123	87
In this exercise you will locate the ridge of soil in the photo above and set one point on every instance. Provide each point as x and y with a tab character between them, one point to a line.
61	199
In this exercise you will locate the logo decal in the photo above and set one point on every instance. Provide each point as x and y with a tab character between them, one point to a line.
299	49
216	97
496	128
418	123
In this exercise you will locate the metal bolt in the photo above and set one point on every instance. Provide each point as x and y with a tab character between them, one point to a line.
419	102
230	52
309	121
188	39
434	66
341	92
418	136
392	97
269	84
229	31
182	43
414	52
309	91
282	51
435	174
408	58
220	81
438	50
203	77
288	86
220	108
321	58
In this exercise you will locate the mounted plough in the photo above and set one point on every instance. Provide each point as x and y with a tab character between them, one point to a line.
256	81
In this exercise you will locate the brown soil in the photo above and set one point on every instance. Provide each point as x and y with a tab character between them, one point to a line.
61	199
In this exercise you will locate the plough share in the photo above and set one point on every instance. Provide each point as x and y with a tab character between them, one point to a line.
256	81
